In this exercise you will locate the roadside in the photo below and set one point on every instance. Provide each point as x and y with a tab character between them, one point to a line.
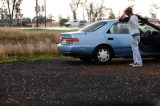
51	28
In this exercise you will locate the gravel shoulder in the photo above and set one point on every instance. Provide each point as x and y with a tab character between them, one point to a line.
70	82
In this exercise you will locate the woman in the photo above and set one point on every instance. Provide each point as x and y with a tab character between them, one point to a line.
135	35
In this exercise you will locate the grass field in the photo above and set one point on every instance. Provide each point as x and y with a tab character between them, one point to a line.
16	43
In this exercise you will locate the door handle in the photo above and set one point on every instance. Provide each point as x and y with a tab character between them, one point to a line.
110	38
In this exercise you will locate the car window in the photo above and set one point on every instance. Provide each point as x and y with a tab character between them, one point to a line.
145	28
119	28
93	27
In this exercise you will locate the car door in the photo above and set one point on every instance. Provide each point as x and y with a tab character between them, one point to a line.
150	39
119	38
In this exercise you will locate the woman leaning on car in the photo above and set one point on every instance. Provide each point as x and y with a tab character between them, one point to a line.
133	24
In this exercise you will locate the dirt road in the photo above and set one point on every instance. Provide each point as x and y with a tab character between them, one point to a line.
70	82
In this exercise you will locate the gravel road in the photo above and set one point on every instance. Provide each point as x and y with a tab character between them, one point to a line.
70	82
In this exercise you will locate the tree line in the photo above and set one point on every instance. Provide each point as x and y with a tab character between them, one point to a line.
94	11
10	9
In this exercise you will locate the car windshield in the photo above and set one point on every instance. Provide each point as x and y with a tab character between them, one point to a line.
93	27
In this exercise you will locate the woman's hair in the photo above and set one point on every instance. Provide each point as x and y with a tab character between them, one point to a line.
128	10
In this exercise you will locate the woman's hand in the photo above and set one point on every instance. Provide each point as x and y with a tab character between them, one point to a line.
123	16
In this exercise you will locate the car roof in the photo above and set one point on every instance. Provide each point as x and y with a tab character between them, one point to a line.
142	20
110	20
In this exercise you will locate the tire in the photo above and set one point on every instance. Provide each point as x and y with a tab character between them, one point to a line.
67	25
86	59
103	55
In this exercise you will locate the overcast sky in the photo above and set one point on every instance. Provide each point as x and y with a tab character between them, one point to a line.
61	7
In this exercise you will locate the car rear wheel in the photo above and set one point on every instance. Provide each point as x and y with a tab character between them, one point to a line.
103	55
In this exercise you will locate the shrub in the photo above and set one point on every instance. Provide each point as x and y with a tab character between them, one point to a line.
63	21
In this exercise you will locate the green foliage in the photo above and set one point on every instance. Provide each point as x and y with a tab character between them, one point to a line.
111	15
41	19
17	6
33	57
62	21
24	57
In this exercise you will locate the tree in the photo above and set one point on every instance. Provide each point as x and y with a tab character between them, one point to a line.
26	20
94	12
40	19
111	15
13	7
74	6
3	13
17	8
62	20
153	9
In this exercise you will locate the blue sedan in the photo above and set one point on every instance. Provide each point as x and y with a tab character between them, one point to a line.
105	39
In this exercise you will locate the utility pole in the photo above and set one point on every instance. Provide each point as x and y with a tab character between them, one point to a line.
36	13
45	12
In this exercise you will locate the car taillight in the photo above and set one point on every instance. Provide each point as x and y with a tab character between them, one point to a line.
72	40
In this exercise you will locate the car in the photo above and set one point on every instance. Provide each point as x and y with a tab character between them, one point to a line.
75	23
106	39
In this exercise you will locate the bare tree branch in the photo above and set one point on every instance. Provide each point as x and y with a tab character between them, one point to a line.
74	6
13	6
94	11
9	9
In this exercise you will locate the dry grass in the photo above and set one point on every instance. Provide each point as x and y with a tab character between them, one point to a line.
14	42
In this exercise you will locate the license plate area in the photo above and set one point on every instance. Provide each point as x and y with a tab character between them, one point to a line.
64	41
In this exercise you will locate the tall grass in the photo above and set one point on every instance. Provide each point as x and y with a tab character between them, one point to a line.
14	42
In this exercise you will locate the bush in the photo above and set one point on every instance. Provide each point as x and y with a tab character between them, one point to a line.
63	21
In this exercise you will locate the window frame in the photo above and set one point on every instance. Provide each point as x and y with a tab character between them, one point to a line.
90	27
117	23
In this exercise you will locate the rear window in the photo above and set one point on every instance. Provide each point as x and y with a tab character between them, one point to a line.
93	27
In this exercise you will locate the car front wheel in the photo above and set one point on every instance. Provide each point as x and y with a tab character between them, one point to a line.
103	55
